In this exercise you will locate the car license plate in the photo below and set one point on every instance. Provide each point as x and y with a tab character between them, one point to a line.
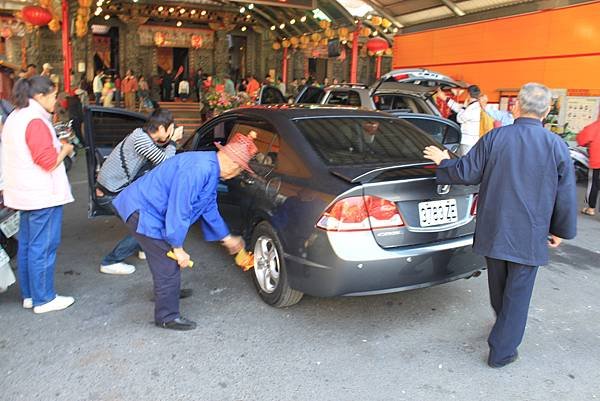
4	259
10	226
435	213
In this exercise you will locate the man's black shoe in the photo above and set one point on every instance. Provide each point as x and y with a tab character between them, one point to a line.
506	362
183	293
181	324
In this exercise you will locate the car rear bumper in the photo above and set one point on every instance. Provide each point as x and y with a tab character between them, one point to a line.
361	267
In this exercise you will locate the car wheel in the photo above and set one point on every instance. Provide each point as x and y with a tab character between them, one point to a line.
270	275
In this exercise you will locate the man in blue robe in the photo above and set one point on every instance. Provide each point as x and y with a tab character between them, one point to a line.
526	202
160	207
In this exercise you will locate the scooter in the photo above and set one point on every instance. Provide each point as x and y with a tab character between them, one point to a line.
581	162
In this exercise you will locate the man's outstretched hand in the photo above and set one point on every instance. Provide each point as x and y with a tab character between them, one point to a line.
435	154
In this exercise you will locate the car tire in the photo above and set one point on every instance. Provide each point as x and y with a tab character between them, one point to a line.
269	273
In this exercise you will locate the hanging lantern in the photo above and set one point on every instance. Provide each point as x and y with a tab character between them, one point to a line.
294	41
197	41
36	15
329	33
304	40
84	12
343	31
54	25
315	37
376	20
377	45
366	31
276	46
45	3
324	24
324	42
85	3
286	43
388	52
159	39
6	33
386	23
303	46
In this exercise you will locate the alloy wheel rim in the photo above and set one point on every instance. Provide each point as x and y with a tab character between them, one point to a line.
266	264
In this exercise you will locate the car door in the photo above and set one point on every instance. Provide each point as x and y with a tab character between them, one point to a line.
104	128
310	95
270	95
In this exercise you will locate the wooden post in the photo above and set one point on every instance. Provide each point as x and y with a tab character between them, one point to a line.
285	65
354	61
66	46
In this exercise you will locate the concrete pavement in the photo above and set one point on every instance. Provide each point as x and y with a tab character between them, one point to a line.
420	345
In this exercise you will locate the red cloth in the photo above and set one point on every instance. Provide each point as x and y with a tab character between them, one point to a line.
129	84
590	137
252	87
39	142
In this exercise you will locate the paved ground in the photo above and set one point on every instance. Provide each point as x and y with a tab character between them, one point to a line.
421	345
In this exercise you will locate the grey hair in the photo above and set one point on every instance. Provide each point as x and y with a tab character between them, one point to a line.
534	99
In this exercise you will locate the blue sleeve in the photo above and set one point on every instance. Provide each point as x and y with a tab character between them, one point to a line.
178	218
466	170
504	117
213	225
564	216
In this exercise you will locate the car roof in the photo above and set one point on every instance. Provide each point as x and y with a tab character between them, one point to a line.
296	111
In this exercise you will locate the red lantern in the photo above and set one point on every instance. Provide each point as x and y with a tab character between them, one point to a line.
197	41
36	15
377	45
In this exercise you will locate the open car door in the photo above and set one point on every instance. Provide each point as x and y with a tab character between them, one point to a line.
104	128
270	95
310	95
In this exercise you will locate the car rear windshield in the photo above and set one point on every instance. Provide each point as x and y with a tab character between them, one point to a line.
345	141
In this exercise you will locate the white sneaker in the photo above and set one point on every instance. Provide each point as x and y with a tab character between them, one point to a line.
58	303
142	255
118	268
28	303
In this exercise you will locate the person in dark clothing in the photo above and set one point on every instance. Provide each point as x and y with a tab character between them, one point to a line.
167	86
526	204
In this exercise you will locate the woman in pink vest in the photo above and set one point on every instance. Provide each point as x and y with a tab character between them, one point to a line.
36	184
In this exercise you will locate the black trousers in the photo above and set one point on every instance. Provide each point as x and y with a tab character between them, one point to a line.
593	187
165	274
511	285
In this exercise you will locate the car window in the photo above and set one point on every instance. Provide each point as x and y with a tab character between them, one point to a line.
110	128
403	103
271	95
205	137
344	97
348	141
267	141
311	95
436	129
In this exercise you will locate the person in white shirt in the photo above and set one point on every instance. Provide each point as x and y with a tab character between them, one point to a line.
468	115
184	89
97	86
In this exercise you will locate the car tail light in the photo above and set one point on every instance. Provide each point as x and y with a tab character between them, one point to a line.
474	206
360	213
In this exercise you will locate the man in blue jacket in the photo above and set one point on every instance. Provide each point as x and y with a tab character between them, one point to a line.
160	207
526	203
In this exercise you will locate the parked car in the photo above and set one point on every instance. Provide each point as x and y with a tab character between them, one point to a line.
385	96
343	202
